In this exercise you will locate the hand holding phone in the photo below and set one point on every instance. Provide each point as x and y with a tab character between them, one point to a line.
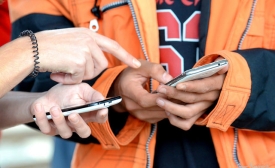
93	106
198	73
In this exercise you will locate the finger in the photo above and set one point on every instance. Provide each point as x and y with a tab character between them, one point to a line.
41	119
142	98
203	85
157	72
60	123
184	124
151	116
88	94
115	49
185	111
188	97
225	69
131	105
96	62
66	78
101	115
83	68
81	128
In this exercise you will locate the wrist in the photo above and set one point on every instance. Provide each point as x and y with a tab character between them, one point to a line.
114	91
35	52
16	63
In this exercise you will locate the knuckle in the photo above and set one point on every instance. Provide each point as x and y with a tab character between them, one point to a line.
66	135
85	134
172	92
129	107
156	68
45	131
192	99
188	115
173	121
104	62
153	121
80	62
211	96
206	89
115	45
142	103
186	126
140	116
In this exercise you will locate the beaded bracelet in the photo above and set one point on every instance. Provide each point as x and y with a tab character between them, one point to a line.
35	51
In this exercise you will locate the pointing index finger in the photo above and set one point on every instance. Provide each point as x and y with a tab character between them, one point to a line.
115	49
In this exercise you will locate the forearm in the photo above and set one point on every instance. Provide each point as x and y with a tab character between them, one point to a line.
15	108
16	63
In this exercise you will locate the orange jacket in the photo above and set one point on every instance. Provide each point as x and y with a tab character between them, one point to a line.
136	30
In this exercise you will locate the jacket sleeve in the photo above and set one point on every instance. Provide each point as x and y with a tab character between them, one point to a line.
259	112
247	97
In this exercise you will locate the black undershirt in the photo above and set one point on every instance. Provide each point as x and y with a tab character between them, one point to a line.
175	147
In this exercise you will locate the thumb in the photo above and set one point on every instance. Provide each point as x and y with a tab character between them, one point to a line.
90	94
155	71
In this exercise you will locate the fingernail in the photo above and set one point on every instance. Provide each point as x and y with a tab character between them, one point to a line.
182	87
160	102
162	90
55	112
167	113
136	63
73	118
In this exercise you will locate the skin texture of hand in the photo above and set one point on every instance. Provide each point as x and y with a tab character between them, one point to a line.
64	96
78	54
72	54
189	100
130	85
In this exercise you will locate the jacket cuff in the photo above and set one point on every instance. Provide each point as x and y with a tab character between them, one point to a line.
234	94
107	138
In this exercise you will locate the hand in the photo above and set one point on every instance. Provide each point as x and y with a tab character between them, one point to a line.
75	54
61	96
130	84
189	100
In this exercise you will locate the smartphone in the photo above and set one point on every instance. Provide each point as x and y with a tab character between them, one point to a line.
198	73
92	106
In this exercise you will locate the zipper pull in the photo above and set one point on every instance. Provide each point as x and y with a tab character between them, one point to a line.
94	25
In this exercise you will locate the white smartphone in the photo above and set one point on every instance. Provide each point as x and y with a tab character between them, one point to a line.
92	106
198	72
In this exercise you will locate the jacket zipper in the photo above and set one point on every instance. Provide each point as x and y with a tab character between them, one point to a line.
114	5
235	154
125	2
154	126
139	37
153	130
